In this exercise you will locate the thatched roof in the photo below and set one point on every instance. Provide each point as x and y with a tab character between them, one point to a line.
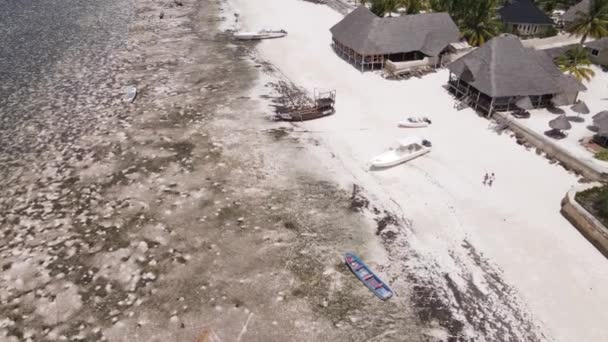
503	67
601	115
600	120
599	44
523	12
573	12
368	34
561	123
580	107
602	128
602	124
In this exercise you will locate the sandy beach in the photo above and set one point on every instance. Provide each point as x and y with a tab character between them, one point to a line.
188	215
556	275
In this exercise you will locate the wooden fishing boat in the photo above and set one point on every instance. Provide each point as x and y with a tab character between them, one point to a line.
304	114
323	106
368	277
407	149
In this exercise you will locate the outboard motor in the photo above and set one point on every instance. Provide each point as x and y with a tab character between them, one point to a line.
426	143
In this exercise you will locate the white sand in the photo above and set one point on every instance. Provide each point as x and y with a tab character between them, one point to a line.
559	275
561	39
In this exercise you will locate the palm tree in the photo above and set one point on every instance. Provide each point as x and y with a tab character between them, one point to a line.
453	7
378	7
443	5
593	24
383	7
477	19
391	6
576	62
551	5
412	6
548	5
479	22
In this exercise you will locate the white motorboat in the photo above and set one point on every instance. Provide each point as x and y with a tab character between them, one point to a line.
407	149
415	122
262	34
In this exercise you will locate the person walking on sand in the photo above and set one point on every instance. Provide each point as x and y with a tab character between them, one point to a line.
491	181
485	178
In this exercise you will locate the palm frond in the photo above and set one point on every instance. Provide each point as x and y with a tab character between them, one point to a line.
576	62
592	24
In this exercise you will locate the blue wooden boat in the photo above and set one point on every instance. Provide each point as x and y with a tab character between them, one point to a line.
367	276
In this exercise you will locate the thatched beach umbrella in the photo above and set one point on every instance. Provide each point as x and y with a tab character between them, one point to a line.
601	123
559	100
560	123
580	107
602	127
602	114
524	103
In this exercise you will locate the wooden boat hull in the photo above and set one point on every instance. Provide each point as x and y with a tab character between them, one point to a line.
304	115
323	106
368	277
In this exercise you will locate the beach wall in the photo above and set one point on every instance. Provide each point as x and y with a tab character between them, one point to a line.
585	222
587	170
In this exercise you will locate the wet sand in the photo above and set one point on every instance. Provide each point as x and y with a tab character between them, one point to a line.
181	214
56	69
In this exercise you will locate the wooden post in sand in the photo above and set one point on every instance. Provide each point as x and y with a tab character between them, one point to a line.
491	107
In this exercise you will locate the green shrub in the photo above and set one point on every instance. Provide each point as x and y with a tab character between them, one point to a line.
595	200
551	31
601	205
602	154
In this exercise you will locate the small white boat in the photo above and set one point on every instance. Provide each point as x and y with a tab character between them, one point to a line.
415	122
262	34
407	149
131	94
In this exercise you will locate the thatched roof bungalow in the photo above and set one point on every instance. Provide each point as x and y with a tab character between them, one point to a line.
367	40
502	71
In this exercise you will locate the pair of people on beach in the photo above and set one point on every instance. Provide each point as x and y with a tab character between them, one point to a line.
489	179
